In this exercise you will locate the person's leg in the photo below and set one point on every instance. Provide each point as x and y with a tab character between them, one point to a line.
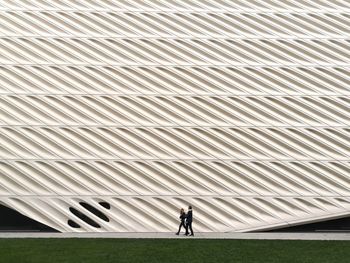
186	227
183	224
179	229
190	226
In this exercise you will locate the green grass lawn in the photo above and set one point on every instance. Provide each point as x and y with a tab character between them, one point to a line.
171	250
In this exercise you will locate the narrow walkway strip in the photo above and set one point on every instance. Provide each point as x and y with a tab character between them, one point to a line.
261	236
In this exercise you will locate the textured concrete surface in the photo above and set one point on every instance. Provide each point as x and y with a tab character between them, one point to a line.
238	108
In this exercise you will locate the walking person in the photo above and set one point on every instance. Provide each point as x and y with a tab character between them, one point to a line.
182	220
189	219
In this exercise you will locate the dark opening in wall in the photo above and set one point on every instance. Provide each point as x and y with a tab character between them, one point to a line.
71	223
334	225
13	221
105	205
95	211
83	217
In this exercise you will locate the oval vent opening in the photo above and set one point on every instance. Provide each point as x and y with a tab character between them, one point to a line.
105	205
84	218
95	211
71	223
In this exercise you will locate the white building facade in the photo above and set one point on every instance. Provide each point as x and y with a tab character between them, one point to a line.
116	114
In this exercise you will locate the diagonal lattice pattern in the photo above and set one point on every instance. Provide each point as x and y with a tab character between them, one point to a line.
114	114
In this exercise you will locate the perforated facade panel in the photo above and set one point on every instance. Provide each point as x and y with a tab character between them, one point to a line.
115	114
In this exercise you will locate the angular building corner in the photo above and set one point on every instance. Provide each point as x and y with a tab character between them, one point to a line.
115	114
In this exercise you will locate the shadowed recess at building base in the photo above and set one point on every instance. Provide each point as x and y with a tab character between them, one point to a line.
334	225
11	221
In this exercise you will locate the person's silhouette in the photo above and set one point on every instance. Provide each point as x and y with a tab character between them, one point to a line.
189	219
182	218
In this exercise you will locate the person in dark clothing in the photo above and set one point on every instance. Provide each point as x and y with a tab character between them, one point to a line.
182	218
189	219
